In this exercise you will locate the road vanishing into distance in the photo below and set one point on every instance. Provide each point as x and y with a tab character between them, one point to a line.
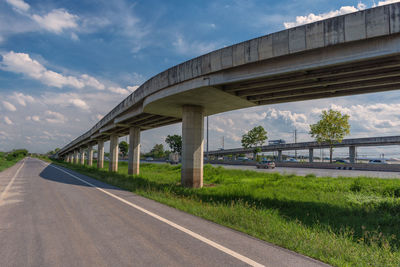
51	216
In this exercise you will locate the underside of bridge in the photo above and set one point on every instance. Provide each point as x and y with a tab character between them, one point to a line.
357	53
361	77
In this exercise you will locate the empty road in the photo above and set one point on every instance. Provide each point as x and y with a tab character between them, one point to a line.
50	216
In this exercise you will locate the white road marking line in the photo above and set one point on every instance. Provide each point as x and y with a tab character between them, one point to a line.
4	193
176	226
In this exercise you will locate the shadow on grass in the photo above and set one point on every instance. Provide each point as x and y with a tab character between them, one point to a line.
382	218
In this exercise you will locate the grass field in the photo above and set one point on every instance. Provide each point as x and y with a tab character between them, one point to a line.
4	163
341	221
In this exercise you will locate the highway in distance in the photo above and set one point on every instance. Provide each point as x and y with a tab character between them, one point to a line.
51	216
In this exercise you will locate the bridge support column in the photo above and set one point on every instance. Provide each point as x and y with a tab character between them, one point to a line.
279	155
311	155
192	146
134	151
352	154
100	154
113	164
76	157
82	156
90	155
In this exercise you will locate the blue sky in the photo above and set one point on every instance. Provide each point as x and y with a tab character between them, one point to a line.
65	64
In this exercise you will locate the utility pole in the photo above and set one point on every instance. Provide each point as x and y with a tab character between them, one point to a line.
223	142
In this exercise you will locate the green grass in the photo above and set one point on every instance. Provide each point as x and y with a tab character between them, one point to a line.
341	221
4	163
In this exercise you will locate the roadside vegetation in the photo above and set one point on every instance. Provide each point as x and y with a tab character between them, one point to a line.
341	221
8	159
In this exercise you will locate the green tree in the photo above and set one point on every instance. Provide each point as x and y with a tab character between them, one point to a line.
174	142
331	128
123	148
158	151
254	138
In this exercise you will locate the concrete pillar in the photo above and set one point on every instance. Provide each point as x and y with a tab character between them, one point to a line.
76	161
134	151
100	154
192	146
279	155
352	154
82	156
113	164
311	155
71	159
90	155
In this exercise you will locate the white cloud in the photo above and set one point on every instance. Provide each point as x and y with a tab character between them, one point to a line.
55	117
300	20
33	118
9	106
22	99
19	5
57	20
23	63
8	121
119	90
381	3
79	103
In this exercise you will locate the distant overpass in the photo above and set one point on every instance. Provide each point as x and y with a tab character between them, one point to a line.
352	54
351	143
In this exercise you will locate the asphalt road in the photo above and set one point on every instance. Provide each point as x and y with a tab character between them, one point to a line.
317	172
50	216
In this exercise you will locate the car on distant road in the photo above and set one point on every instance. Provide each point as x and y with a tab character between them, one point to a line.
291	160
243	158
149	159
341	161
377	161
266	164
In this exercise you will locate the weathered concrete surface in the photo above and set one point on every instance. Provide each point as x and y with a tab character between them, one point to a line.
134	151
90	155
192	146
82	156
311	155
113	162
100	154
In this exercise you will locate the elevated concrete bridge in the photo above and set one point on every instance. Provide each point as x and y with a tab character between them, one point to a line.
351	143
351	54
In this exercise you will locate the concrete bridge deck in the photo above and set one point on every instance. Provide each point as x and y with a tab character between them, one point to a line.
351	54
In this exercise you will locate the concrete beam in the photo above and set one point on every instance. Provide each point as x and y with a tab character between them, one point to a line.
90	155
113	164
100	154
134	151
192	146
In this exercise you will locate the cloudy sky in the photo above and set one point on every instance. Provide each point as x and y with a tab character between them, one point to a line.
65	64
